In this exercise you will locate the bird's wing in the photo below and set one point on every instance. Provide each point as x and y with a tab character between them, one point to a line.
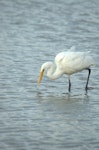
68	57
73	61
59	57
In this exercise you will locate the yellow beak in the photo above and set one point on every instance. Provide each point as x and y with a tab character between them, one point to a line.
40	77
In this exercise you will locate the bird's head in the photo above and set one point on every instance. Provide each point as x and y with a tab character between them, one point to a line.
44	67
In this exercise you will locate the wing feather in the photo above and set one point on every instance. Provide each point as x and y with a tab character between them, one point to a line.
71	62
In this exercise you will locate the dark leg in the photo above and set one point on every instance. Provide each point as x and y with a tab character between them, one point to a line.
69	88
89	71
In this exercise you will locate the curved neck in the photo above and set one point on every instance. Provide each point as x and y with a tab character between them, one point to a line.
53	72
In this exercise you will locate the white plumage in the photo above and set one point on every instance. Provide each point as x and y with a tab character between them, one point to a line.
69	62
72	62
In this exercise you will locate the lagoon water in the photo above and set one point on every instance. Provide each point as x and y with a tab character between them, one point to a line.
47	117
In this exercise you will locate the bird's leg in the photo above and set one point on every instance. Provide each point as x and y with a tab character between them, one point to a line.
69	88
69	85
89	71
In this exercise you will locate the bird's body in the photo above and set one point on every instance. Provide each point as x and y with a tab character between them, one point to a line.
72	62
68	63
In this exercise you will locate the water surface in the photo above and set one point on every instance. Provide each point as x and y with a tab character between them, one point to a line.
47	117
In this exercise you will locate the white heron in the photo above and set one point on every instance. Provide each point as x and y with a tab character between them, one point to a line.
68	63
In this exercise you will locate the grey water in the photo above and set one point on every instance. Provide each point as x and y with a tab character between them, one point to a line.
47	117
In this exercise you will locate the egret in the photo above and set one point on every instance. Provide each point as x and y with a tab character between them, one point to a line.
68	63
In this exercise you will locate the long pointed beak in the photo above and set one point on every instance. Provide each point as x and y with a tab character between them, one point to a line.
40	77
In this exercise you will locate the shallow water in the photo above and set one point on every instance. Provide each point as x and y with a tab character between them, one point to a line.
47	117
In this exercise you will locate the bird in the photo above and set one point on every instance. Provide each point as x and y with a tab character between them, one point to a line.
68	62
